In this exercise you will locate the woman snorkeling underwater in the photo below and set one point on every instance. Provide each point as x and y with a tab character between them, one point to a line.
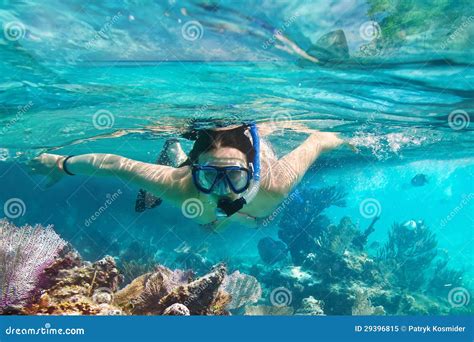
231	171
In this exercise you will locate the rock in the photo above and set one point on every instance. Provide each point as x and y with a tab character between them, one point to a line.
311	307
200	295
331	46
13	310
176	310
143	294
102	297
297	274
152	293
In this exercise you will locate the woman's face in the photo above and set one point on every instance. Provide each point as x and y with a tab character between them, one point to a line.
224	156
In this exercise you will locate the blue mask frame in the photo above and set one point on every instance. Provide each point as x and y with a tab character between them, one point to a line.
221	174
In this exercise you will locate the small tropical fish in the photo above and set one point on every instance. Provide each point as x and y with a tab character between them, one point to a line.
419	180
374	245
271	251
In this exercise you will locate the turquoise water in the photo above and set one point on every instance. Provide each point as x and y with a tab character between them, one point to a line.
405	113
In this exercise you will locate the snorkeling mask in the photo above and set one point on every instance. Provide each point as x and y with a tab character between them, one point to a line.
207	177
239	179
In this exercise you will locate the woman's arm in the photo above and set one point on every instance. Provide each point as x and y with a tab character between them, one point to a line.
290	169
163	181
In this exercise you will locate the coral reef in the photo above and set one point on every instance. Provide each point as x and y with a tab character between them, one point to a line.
363	305
135	260
299	234
67	285
328	271
331	269
71	286
311	307
443	276
24	254
409	246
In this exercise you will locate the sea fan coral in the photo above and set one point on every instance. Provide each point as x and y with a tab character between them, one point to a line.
24	253
244	289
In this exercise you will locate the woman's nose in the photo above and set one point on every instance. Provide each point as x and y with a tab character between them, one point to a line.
222	188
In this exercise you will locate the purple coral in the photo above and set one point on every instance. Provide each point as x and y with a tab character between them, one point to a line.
24	253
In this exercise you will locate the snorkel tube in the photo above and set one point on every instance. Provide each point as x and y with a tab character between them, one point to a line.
227	207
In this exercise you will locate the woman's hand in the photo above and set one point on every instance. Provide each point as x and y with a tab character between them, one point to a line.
48	165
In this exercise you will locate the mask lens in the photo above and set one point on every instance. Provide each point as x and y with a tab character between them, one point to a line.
206	178
238	178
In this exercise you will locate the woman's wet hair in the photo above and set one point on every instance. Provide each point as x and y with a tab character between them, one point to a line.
211	139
